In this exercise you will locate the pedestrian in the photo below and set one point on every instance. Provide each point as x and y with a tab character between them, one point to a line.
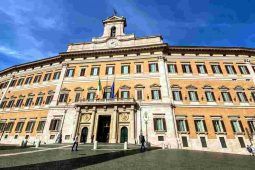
75	142
142	141
250	149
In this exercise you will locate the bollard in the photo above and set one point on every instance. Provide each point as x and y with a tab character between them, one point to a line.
95	145
163	146
21	143
37	143
25	143
125	146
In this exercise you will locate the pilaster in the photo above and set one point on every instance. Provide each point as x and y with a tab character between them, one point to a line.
6	89
91	126
114	121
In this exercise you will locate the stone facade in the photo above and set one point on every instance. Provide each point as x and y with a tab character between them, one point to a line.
199	98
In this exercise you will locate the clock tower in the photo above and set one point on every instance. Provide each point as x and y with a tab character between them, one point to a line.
114	26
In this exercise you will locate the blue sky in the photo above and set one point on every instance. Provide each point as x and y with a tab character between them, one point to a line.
35	29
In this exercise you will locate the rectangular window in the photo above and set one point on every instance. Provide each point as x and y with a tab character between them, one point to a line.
241	141
219	126
193	96
30	126
139	94
56	75
77	97
125	69
28	80
138	68
216	69
49	99
37	78
230	69
209	96
223	142
109	70
47	77
2	126
40	126
54	124
91	96
107	95
13	83
185	141
94	71
237	126
153	67
161	138
3	104
83	71
159	124
155	94
9	126
201	69
253	95
243	69
125	94
200	126
19	127
251	124
242	97
182	125
70	72
20	82
203	142
226	96
171	68
177	95
19	103
186	68
29	102
63	98
10	104
39	101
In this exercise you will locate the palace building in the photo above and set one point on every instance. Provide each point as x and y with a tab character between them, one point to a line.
119	86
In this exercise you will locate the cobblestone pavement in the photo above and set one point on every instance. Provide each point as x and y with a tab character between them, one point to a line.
114	157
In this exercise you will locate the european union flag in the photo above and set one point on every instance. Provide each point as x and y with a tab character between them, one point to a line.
112	90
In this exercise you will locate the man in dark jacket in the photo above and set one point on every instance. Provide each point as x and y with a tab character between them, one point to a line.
142	141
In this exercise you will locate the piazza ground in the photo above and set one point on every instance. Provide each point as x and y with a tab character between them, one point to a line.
113	157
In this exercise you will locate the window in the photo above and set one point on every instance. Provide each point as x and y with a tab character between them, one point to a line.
201	69
216	69
63	98
47	77
203	142
55	124
40	126
56	75
138	68
37	79
113	31
125	69
186	68
107	94
253	95
242	97
19	127
19	103
28	80
3	104
109	70
39	101
125	94
230	69
223	142
91	96
241	141
237	126
193	96
159	124
10	104
139	94
49	99
209	96
182	125
177	95
171	68
185	141
20	82
9	126
200	126
2	126
30	126
161	138
243	69
226	96
13	83
219	126
29	102
155	94
83	71
70	72
94	71
153	67
77	97
251	124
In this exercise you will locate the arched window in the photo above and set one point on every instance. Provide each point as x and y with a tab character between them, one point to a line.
113	31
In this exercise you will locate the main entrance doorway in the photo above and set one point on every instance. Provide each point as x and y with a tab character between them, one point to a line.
84	134
103	130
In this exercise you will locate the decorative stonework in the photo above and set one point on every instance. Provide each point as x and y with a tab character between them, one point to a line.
86	117
124	117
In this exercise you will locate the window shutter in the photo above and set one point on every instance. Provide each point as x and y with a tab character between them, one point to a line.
180	95
149	67
197	99
241	125
223	126
175	68
51	124
232	124
156	66
196	126
155	124
214	125
187	125
164	124
178	125
152	94
128	69
205	126
113	70
159	93
122	69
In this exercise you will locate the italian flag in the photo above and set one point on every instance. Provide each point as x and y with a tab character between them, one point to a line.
99	89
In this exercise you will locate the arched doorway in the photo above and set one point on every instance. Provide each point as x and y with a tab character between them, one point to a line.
84	134
123	134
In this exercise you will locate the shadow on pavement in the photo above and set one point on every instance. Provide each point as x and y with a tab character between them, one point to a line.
81	161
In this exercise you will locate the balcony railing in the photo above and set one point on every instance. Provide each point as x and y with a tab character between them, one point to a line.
107	101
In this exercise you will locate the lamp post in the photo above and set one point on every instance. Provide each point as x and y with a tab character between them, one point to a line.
146	118
141	122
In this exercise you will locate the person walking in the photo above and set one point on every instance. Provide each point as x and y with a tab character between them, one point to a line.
142	141
75	142
250	149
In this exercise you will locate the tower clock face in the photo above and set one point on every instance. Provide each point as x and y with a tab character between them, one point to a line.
112	43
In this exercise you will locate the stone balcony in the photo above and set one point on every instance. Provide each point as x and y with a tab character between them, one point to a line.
105	102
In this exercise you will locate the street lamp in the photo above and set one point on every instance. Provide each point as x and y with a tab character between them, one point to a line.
146	118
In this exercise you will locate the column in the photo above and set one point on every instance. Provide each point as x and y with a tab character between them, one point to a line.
114	125
59	86
248	65
163	80
132	125
91	126
6	89
76	121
